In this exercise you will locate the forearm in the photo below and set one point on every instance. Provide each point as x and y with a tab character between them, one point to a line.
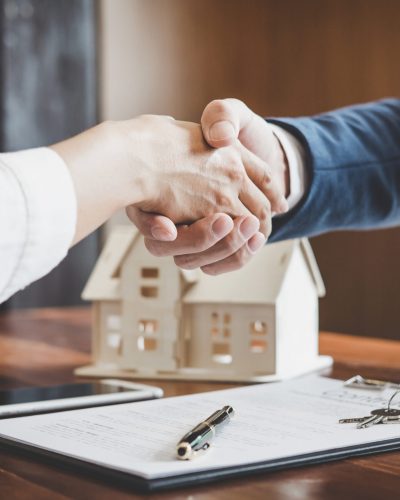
50	198
105	179
353	164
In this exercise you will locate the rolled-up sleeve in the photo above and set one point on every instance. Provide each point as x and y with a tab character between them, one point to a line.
38	213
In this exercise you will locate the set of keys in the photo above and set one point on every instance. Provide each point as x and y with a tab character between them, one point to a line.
386	415
378	416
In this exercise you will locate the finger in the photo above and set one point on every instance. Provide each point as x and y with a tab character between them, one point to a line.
251	129
260	173
223	120
238	259
193	238
244	228
152	226
258	205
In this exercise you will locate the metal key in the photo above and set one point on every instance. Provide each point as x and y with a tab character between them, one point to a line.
378	416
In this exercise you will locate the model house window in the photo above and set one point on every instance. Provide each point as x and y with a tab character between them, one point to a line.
114	322
258	331
149	291
220	334
149	326
258	327
148	340
258	345
114	341
150	272
114	337
146	344
149	285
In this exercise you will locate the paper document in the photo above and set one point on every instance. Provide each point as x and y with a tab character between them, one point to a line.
272	421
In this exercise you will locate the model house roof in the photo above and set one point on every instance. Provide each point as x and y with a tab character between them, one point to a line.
259	281
104	281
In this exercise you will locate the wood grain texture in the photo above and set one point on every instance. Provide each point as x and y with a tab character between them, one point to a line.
43	347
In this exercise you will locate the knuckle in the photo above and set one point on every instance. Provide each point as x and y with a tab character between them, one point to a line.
223	201
236	174
267	170
267	178
229	158
219	106
264	214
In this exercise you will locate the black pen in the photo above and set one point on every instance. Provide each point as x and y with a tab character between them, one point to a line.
199	438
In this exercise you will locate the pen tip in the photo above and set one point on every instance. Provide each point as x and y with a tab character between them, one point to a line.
184	451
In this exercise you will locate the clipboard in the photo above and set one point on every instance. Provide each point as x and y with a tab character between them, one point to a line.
19	436
142	485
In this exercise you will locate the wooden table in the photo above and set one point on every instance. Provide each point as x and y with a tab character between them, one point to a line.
42	347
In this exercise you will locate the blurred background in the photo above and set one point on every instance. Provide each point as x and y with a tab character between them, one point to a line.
66	64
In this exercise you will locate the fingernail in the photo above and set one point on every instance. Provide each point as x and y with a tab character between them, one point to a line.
221	227
248	227
256	242
159	233
222	130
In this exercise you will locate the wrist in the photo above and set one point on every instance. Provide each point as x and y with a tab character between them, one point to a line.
134	143
92	159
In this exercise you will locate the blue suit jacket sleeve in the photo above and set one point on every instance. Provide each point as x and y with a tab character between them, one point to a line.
353	165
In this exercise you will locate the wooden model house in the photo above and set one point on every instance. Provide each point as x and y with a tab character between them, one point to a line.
151	319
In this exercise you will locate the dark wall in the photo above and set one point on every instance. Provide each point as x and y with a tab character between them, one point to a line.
48	92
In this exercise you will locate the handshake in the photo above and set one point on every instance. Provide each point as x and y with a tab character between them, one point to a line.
221	183
204	194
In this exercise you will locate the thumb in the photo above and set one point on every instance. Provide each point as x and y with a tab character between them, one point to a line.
153	226
223	120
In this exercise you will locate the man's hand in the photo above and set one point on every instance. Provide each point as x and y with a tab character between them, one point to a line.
216	243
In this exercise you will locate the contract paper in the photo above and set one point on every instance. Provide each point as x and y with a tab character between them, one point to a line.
272	421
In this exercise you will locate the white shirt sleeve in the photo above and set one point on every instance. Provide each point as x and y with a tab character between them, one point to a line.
38	213
296	161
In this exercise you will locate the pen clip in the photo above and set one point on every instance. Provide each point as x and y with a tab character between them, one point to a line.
204	448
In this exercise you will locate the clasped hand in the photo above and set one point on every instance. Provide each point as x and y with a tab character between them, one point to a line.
216	199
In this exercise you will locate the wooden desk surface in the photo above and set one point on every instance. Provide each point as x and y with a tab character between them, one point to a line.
42	347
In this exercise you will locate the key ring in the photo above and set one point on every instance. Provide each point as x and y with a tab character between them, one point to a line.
391	398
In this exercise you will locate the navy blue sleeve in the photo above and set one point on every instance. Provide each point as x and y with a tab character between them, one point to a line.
353	166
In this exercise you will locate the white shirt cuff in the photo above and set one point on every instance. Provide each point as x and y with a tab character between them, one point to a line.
296	161
47	221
